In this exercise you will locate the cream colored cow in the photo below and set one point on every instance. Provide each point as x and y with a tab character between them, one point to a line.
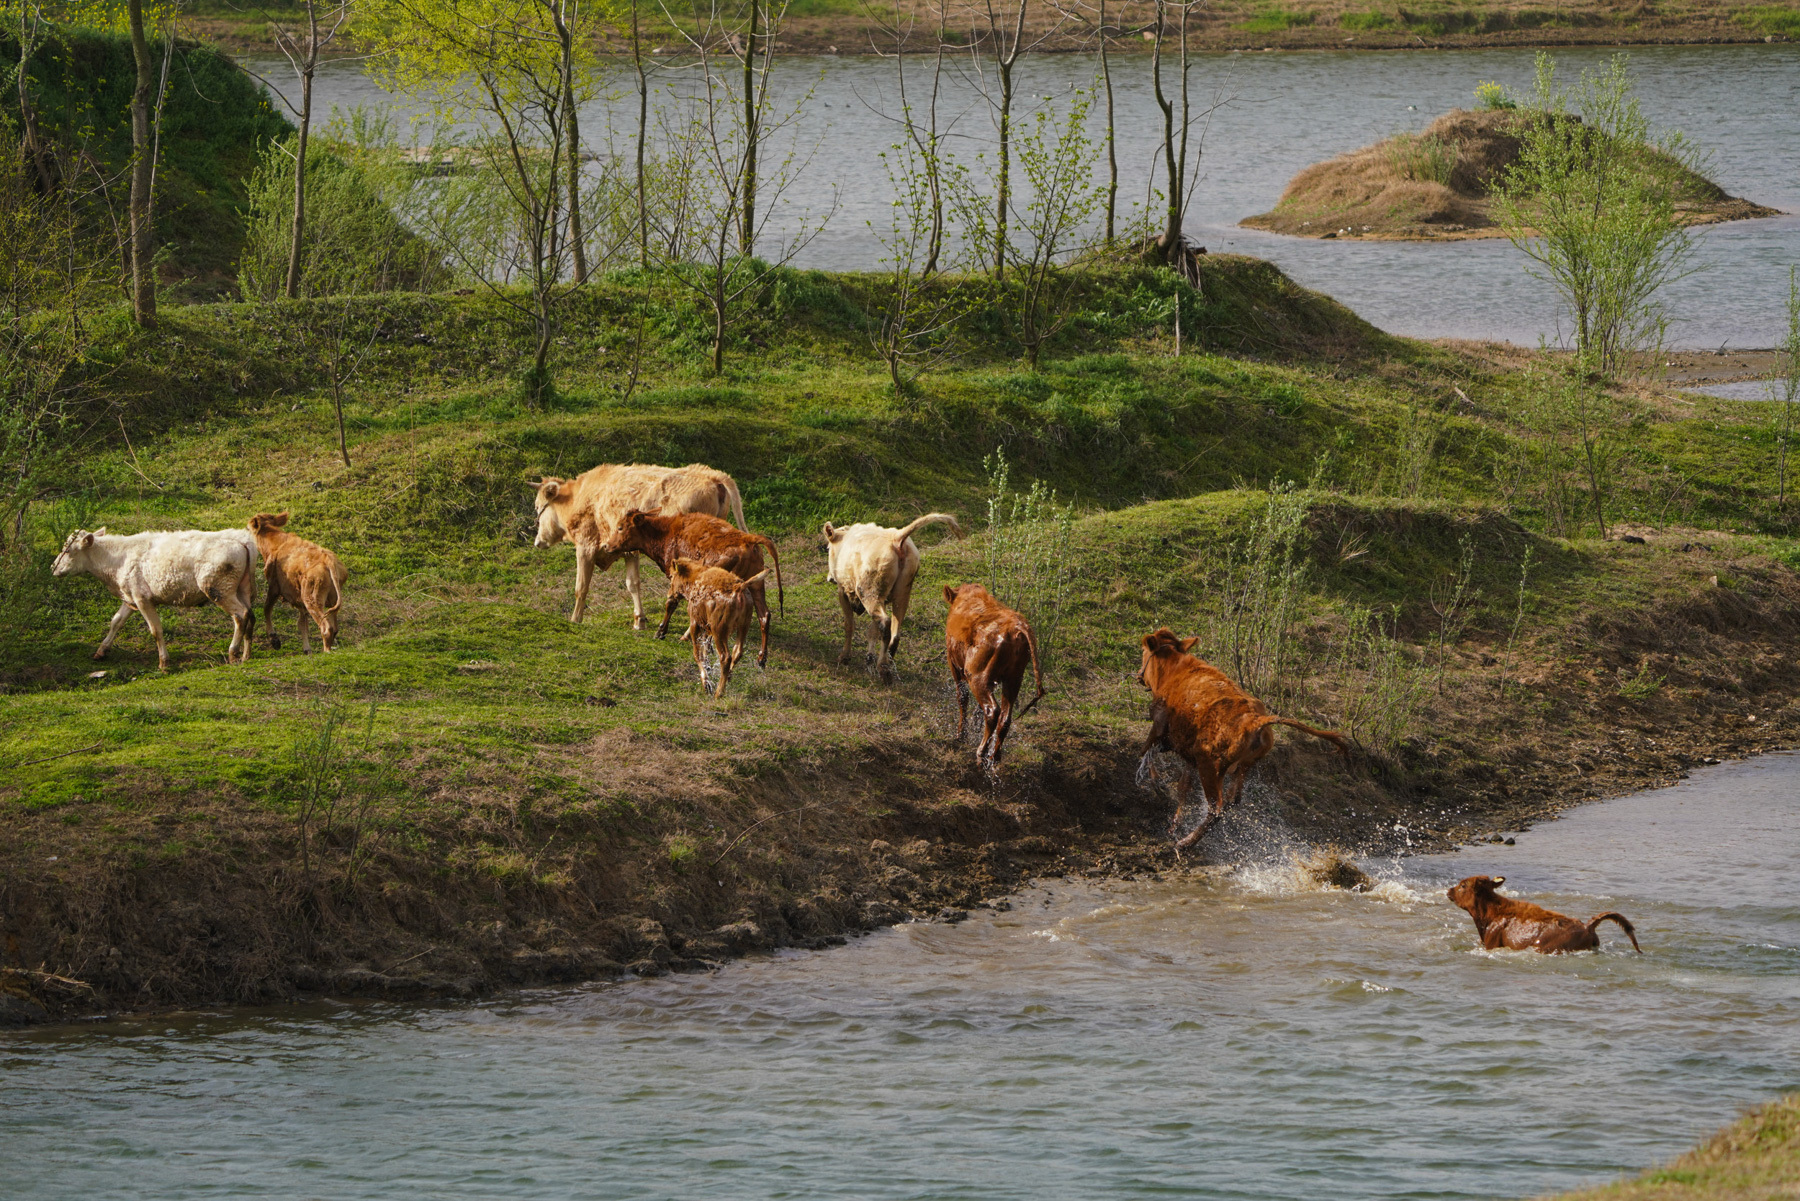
873	567
585	509
183	568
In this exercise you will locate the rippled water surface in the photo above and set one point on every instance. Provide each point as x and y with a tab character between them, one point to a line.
1245	1038
1282	112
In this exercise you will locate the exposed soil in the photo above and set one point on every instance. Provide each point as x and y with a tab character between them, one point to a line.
1437	185
674	863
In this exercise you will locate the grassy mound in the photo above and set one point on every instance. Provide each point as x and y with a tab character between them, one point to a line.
1437	185
216	121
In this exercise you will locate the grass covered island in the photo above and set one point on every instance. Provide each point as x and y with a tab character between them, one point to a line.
1440	184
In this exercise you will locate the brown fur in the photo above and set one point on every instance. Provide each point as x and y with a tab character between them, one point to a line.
1211	723
719	606
301	573
989	647
666	538
1522	926
602	495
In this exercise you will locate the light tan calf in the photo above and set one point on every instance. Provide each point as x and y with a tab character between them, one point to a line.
606	492
302	573
873	567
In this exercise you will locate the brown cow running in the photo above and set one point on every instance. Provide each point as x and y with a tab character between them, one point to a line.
1522	926
1202	716
988	646
705	539
302	573
719	607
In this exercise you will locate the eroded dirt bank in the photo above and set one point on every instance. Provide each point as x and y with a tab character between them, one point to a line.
677	863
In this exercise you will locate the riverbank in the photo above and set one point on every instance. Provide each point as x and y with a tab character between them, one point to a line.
843	26
1757	1157
476	794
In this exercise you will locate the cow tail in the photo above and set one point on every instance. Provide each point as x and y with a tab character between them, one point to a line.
1624	924
337	594
780	594
737	510
1031	641
1328	735
929	519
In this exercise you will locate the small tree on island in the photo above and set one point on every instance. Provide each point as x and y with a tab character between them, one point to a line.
1591	200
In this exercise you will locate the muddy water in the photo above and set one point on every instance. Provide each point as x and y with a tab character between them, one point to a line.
1241	1036
1281	112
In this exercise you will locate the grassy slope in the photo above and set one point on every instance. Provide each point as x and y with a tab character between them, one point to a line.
1754	1159
542	762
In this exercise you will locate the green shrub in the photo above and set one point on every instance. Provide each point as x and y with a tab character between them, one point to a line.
1366	21
1424	159
1492	96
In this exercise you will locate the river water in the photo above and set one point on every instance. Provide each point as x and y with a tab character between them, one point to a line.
1239	1037
1279	112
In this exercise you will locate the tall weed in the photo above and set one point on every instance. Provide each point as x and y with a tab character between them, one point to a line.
1028	565
1381	687
336	781
1262	580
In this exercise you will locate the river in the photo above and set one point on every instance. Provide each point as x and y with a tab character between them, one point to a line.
1241	1036
1280	112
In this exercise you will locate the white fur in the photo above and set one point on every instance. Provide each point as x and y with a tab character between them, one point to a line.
184	568
874	567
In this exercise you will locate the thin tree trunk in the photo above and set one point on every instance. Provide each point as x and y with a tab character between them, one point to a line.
143	283
643	130
34	146
1112	153
309	64
933	165
577	237
337	399
752	134
1172	222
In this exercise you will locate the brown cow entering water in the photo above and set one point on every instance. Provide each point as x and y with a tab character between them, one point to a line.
1202	716
1522	926
719	609
988	646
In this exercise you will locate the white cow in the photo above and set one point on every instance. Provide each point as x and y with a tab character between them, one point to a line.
873	567
184	568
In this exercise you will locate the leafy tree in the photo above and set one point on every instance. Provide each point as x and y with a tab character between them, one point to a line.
1592	201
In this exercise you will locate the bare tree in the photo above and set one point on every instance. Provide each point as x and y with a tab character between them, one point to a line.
1181	168
301	48
143	161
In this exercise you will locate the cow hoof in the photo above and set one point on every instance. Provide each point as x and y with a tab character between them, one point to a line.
99	654
661	634
274	643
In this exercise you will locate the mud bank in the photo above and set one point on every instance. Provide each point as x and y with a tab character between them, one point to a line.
675	863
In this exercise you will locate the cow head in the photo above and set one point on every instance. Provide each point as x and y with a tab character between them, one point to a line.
635	525
1472	891
267	523
1161	649
75	548
682	573
550	524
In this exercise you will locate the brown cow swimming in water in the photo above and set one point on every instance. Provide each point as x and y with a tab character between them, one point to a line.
1515	925
1220	730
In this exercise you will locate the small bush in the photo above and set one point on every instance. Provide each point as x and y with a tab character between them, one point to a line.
1492	96
1427	159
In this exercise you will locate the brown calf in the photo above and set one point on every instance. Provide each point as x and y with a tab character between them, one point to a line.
302	573
705	539
1522	926
988	645
1202	716
719	607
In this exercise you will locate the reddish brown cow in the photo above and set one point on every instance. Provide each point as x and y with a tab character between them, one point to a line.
1522	926
1202	716
302	573
988	646
705	539
719	607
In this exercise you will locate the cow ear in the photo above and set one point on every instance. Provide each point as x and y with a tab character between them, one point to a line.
550	491
832	534
88	540
99	533
279	518
949	594
1499	880
1188	644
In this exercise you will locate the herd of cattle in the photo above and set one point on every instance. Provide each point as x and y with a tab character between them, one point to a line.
679	519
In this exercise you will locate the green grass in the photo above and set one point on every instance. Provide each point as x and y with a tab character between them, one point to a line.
455	626
1277	20
1779	19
